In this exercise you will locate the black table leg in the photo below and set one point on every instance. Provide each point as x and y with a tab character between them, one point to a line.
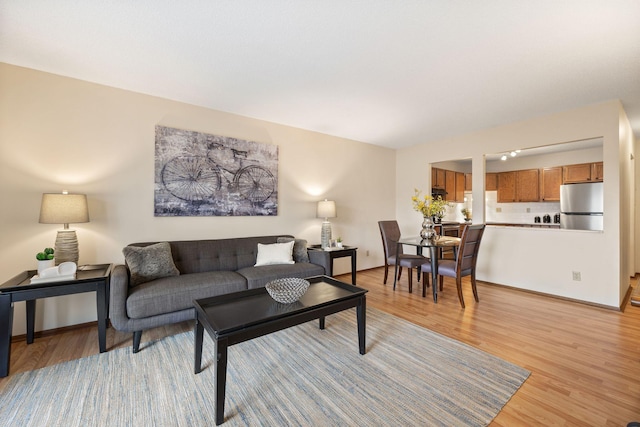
101	308
353	268
221	378
6	324
198	332
321	323
434	272
361	314
31	319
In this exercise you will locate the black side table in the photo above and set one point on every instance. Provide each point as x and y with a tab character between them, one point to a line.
332	253
89	278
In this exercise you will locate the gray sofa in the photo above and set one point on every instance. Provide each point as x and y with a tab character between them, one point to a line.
205	268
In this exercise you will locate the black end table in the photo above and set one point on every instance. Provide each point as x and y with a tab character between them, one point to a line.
332	253
241	316
89	278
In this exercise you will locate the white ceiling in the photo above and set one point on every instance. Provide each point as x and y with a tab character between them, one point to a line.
386	72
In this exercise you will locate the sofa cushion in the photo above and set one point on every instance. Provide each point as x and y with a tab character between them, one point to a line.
259	276
171	294
149	263
300	253
275	253
199	256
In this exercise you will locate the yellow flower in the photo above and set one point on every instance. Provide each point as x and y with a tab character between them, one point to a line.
429	206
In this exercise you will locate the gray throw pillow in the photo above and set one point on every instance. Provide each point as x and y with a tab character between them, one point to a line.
149	263
300	253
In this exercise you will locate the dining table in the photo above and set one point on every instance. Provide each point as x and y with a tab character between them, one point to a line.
435	245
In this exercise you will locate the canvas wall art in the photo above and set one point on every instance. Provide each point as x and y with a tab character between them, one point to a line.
199	174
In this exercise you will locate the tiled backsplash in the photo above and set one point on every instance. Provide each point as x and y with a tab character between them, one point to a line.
515	213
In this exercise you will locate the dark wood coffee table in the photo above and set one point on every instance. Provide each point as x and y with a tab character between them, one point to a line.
237	317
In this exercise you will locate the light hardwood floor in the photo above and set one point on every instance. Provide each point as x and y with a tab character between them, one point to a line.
585	360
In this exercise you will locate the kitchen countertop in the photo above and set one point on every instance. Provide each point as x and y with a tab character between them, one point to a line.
526	224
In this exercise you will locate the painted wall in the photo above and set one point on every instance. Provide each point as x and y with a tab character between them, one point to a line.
58	133
538	259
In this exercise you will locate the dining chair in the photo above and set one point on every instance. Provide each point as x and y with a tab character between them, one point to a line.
463	265
390	233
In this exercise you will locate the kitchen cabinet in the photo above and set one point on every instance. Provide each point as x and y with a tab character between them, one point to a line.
597	171
452	182
491	181
519	186
541	185
438	178
460	186
468	182
506	187
528	185
551	181
583	172
450	185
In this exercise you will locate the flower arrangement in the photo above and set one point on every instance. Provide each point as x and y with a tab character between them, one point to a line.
429	206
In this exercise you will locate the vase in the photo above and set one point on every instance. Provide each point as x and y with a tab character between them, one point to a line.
44	264
427	231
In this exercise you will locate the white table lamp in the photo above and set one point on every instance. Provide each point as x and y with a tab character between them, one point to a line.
326	209
64	209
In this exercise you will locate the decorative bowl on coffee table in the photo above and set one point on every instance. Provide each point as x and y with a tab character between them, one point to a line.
287	290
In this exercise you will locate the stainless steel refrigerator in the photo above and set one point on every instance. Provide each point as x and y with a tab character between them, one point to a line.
581	206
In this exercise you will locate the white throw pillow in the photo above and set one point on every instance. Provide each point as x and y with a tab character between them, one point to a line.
276	253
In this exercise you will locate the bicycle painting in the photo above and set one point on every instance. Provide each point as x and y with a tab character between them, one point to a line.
199	174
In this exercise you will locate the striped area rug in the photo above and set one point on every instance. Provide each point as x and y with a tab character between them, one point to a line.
301	376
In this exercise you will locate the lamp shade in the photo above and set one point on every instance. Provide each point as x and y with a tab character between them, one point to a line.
60	208
326	209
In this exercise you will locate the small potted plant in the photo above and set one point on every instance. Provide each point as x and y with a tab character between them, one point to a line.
339	242
46	259
466	213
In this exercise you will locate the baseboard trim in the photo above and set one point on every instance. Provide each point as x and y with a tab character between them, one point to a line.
543	294
56	331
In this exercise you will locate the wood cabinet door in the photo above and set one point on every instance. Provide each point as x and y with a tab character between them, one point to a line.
460	184
597	171
468	182
506	187
491	181
576	173
551	181
528	185
438	178
450	185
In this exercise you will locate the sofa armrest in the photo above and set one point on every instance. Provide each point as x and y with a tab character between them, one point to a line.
119	284
321	258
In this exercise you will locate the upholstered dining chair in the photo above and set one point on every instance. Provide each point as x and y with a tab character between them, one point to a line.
463	265
390	233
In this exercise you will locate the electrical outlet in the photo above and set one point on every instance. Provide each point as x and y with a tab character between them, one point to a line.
498	209
528	210
576	276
